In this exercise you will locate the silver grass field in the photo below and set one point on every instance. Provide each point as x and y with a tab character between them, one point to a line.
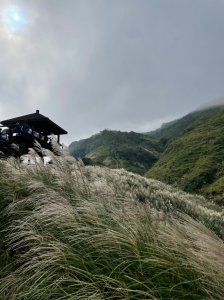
75	232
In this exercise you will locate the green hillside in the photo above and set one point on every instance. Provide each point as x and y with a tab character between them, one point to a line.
187	153
171	130
132	151
73	232
194	160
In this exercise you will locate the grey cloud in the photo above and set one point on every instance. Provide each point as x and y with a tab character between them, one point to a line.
121	64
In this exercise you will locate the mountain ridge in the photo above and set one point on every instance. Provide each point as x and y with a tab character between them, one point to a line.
133	151
188	137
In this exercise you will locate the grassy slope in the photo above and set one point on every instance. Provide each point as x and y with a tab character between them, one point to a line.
194	160
132	151
171	130
75	232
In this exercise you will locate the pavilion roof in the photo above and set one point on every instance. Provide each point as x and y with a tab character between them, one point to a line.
38	121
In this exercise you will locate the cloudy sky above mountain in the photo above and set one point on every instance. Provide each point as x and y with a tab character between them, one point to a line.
118	64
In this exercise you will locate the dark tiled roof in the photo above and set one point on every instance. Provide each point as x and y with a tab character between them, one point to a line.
38	121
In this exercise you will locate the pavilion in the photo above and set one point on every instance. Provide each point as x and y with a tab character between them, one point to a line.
36	123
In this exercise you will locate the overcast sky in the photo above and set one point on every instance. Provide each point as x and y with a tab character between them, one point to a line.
116	64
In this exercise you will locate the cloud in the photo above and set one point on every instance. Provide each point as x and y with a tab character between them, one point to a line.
120	64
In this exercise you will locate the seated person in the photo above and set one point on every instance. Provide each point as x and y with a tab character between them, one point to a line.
36	134
28	130
18	128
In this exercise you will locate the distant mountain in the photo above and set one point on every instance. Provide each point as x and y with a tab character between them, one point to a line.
187	152
132	151
194	157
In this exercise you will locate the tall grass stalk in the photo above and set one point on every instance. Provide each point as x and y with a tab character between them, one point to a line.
75	232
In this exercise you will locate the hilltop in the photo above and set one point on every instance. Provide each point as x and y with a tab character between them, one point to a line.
132	151
73	232
171	130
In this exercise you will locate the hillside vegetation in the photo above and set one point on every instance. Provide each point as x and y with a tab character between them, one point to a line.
187	153
173	129
194	161
75	232
132	151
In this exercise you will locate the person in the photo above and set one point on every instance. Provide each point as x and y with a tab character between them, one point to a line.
10	133
18	128
36	134
5	135
27	130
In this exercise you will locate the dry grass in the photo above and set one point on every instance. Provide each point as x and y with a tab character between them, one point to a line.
75	232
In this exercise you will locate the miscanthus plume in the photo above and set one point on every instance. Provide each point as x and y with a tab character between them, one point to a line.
75	232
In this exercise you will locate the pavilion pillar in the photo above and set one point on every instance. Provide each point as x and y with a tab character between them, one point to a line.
58	138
